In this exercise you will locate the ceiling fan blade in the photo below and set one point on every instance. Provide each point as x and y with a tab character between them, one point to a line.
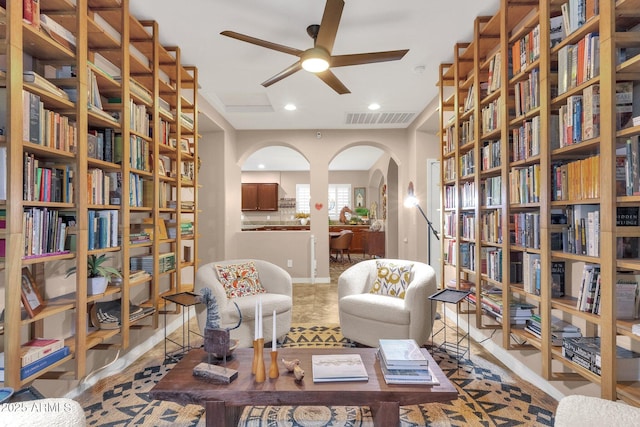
329	78
282	74
329	25
263	43
367	58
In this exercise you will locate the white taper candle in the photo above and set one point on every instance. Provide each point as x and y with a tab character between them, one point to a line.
260	330
255	323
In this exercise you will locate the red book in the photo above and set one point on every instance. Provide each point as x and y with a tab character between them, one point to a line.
27	11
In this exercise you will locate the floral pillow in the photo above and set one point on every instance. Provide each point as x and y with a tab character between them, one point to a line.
240	279
392	279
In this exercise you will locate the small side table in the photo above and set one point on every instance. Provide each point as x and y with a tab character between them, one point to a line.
186	300
451	296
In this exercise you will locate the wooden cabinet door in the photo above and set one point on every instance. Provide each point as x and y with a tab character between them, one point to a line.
268	197
260	197
249	197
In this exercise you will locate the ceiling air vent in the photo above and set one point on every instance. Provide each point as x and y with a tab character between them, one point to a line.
379	118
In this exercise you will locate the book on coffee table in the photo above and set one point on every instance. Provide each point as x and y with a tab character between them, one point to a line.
402	354
338	367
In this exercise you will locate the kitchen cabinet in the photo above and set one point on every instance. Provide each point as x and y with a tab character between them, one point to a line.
260	196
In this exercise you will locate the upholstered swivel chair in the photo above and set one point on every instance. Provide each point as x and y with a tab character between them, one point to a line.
366	316
278	296
340	245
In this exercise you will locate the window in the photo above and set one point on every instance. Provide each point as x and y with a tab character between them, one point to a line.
339	196
303	198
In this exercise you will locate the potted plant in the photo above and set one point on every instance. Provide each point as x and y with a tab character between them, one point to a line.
98	275
303	217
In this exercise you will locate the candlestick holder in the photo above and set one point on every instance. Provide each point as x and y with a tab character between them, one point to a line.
273	369
260	371
254	365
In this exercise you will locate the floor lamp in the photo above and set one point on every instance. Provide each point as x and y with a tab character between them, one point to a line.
412	201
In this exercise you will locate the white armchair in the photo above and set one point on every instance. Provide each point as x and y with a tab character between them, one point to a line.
367	317
274	279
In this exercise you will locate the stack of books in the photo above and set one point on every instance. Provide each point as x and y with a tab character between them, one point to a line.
402	362
585	352
560	329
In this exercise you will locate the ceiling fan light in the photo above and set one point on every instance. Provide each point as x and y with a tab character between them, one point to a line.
315	60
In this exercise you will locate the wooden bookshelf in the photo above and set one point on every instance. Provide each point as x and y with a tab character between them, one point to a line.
121	59
530	147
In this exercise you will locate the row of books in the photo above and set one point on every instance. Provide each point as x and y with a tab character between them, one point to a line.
449	169
525	50
581	233
491	117
491	191
468	225
45	127
490	227
467	131
527	93
46	182
578	63
525	140
576	180
166	262
579	119
575	13
139	153
524	184
585	352
491	263
45	232
102	229
628	169
495	73
524	229
490	154
467	164
105	144
492	305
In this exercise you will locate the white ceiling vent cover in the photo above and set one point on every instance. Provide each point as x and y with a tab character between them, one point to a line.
379	118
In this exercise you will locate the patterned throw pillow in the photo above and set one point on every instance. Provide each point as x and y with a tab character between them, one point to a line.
240	279
392	279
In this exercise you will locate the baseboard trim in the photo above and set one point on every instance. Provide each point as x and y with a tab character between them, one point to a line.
311	281
514	364
123	362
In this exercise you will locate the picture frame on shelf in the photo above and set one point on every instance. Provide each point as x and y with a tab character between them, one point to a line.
31	298
360	197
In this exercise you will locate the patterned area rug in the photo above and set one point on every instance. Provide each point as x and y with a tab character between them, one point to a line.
489	396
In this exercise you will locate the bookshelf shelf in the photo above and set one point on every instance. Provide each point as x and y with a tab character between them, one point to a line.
510	49
114	62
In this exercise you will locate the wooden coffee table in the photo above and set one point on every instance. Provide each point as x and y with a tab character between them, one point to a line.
224	402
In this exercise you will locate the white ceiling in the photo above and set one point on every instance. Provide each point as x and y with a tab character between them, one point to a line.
231	71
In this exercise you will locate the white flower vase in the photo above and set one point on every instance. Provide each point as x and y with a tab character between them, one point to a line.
97	285
303	221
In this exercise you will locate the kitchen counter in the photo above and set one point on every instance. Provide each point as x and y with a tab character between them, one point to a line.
275	227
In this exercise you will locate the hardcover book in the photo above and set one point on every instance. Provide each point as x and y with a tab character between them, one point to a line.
38	348
338	367
402	353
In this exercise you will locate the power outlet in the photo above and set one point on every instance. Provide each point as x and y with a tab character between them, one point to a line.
289	263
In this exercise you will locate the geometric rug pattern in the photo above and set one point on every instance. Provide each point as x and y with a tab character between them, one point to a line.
489	395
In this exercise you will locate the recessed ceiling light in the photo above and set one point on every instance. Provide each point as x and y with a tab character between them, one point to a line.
260	166
290	107
374	106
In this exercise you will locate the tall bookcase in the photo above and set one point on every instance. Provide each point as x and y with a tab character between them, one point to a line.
120	104
533	159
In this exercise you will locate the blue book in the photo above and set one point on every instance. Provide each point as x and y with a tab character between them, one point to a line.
40	364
